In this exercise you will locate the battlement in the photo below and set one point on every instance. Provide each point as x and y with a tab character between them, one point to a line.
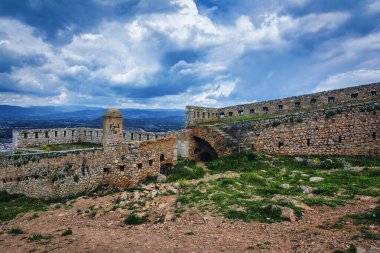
362	93
28	138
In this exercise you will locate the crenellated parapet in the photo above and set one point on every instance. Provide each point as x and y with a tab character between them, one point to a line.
363	93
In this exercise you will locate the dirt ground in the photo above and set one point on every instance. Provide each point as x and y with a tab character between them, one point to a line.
193	231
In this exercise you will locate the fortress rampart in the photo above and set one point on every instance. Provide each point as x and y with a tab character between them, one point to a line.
369	92
338	122
28	138
343	130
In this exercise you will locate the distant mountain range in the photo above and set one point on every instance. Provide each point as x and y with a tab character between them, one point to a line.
70	112
152	120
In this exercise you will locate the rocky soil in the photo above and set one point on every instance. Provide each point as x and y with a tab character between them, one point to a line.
97	225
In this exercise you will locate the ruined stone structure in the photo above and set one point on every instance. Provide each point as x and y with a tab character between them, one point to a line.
337	122
122	161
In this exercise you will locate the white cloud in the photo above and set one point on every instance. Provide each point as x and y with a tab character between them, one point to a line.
348	79
374	7
130	53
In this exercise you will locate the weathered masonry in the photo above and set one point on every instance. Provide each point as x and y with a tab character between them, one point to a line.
338	122
333	98
121	162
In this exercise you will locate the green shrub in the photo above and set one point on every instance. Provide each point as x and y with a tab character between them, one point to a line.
133	219
15	231
185	169
67	232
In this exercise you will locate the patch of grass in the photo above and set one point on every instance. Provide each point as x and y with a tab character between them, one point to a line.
12	205
185	169
367	234
39	237
133	219
16	231
70	146
251	196
67	232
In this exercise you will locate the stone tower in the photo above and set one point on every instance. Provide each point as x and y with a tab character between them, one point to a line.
112	127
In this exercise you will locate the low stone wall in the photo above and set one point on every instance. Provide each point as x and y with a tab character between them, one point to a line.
59	174
344	130
358	94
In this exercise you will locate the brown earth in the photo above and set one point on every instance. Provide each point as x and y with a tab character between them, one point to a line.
193	231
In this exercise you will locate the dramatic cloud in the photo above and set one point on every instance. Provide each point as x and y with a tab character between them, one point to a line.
180	52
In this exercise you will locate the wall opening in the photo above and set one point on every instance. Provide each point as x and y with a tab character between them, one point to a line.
72	133
251	111
162	157
55	133
198	115
297	105
354	95
280	107
280	144
25	135
121	167
241	112
139	165
373	93
374	136
84	133
106	170
139	137
313	101
230	114
331	100
340	138
203	150
221	115
308	142
64	133
46	134
253	147
36	135
151	162
4	181
131	136
208	115
265	109
203	115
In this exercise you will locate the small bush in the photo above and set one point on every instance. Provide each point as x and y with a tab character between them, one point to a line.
276	123
330	114
35	237
15	231
133	219
67	232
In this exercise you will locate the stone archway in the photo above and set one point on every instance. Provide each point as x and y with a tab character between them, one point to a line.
203	151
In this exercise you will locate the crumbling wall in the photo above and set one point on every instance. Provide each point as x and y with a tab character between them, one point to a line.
64	173
370	92
344	130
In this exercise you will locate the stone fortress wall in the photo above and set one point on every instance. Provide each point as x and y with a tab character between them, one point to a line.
125	159
369	92
27	138
338	122
342	130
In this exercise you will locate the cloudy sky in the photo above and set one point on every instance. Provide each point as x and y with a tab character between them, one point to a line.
172	53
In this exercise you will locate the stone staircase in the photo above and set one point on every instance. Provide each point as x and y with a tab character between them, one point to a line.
230	139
